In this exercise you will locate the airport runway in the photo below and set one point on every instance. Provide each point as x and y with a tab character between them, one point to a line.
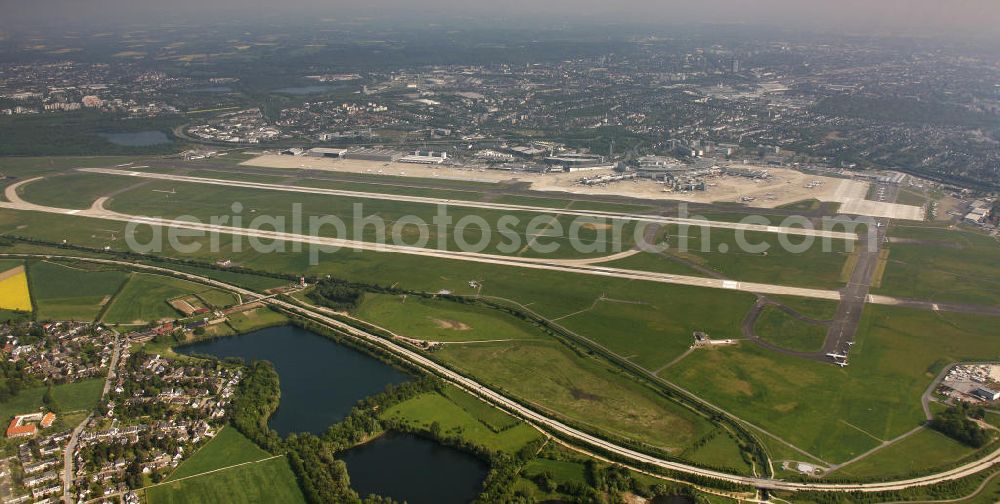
817	233
97	211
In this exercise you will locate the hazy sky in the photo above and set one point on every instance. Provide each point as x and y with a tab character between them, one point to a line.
957	16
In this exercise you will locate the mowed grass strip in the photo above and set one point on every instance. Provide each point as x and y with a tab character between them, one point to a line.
440	320
144	298
65	292
455	420
14	293
581	388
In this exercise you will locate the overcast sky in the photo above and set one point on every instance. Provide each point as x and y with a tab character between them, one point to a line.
912	16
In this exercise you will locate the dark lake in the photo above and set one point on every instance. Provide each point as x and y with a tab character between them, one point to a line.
413	469
212	89
320	380
138	139
304	90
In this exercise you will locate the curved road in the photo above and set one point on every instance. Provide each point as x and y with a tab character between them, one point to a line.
550	424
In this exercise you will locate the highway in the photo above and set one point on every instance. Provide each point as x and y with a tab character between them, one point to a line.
547	423
657	219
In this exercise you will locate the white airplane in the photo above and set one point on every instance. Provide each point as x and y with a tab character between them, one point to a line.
836	356
850	343
841	364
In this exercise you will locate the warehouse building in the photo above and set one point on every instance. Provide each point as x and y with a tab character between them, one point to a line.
373	154
326	152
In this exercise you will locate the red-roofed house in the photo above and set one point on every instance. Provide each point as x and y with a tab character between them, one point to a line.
16	429
47	420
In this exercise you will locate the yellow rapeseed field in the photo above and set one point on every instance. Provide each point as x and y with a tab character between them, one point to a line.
14	290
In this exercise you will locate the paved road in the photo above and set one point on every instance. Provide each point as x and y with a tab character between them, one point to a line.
838	235
75	435
553	425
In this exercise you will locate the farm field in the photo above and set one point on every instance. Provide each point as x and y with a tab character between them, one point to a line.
441	320
780	328
63	291
144	298
837	413
581	388
14	293
492	430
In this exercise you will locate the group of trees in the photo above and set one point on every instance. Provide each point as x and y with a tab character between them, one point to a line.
956	423
337	295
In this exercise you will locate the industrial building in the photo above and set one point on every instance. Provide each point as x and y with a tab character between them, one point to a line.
425	157
373	154
986	394
326	152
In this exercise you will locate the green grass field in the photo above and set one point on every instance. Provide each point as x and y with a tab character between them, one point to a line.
271	480
651	325
74	190
256	319
440	320
6	264
171	199
721	451
228	447
925	450
144	298
209	475
63	291
969	273
581	388
561	470
81	395
780	328
457	419
839	413
816	264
